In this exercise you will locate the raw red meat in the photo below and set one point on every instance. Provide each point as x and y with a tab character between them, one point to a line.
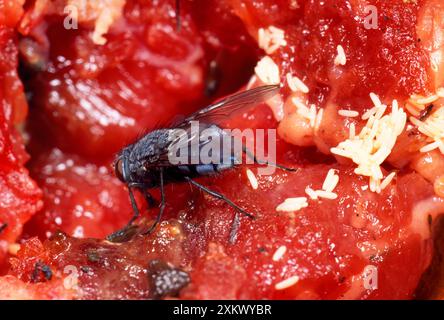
93	99
20	195
388	60
116	83
11	12
95	269
328	244
386	50
90	100
12	288
81	198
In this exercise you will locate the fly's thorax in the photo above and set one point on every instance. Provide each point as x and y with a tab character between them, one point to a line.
143	173
151	147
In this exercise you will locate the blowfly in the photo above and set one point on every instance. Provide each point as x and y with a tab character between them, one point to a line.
146	164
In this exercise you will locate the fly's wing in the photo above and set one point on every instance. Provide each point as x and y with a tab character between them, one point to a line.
235	103
182	137
182	144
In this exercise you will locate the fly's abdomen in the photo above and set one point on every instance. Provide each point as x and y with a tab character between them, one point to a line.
195	170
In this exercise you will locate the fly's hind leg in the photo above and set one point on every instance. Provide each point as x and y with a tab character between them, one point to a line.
264	162
236	221
219	196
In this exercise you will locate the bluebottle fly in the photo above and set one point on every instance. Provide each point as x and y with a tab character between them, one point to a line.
146	164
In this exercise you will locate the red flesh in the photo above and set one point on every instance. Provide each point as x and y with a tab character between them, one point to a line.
20	195
323	241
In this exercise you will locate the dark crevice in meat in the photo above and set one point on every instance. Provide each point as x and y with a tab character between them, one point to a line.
3	227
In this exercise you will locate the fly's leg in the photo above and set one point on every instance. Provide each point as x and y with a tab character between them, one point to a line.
219	196
236	221
162	205
136	212
148	197
263	162
129	230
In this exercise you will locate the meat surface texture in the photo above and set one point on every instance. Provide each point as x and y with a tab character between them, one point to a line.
355	75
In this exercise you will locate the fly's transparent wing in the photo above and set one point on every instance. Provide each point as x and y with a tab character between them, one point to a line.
184	141
236	103
183	137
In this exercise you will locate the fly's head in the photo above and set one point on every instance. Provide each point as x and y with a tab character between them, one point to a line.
130	170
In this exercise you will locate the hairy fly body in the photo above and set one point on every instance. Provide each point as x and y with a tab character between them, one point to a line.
147	163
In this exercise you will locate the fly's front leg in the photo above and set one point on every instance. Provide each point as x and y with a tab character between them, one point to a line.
128	231
136	212
162	204
148	197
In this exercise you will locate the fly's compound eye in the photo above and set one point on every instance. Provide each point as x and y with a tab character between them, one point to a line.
118	167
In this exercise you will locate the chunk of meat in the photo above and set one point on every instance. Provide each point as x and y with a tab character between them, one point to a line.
13	98
11	12
430	28
81	199
97	269
12	288
392	48
20	195
99	14
387	60
430	32
329	244
94	99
